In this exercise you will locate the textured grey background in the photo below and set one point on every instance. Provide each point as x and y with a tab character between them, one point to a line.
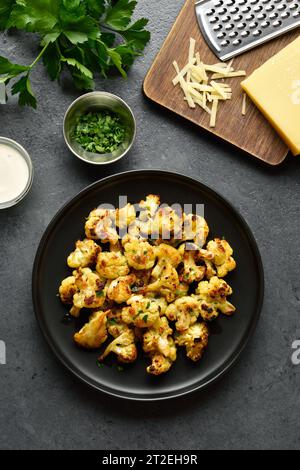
41	405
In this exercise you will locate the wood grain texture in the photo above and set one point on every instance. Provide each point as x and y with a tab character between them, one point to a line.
252	132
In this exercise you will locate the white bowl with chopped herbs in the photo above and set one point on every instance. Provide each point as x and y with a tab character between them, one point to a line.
99	128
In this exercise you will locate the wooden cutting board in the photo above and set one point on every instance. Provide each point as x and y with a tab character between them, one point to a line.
252	132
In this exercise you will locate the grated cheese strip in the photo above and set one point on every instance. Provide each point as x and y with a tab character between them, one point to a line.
181	73
192	50
213	116
218	88
183	85
239	73
244	105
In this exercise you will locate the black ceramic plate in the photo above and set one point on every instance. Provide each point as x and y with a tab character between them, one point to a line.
228	335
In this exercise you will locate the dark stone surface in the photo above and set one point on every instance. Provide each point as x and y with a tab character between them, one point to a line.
41	406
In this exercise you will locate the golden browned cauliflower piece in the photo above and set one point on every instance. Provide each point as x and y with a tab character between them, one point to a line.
94	333
100	225
160	364
111	265
123	346
195	339
167	224
67	290
91	289
165	280
149	206
166	283
195	228
223	259
159	344
212	296
84	255
184	311
190	271
119	290
141	311
125	216
140	255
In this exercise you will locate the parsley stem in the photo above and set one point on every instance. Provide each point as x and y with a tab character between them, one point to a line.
39	56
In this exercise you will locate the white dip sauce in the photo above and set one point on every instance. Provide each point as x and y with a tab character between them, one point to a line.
14	173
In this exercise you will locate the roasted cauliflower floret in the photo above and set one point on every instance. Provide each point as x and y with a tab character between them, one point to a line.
166	283
195	228
140	255
184	311
125	216
84	255
100	225
167	223
149	206
164	275
191	254
111	265
166	253
157	342
141	311
91	289
160	365
123	346
223	259
119	290
67	290
190	272
212	295
94	333
195	339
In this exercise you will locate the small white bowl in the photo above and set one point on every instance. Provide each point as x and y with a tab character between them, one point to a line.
11	143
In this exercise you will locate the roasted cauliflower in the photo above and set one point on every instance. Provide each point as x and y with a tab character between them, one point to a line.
91	290
140	255
222	259
111	265
123	346
84	255
94	333
119	290
142	312
184	311
160	346
140	267
195	339
101	225
67	290
212	295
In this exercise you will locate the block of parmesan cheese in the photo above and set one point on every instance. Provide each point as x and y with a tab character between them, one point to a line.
275	89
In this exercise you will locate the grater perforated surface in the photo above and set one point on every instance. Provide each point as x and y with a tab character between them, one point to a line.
232	27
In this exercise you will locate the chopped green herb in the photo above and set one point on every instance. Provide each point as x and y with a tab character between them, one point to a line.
145	318
148	305
112	321
100	365
101	132
140	311
100	293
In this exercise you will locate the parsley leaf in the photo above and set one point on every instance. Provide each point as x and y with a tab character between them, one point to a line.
6	7
26	96
119	15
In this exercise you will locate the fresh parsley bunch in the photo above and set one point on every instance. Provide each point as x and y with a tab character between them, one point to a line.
87	37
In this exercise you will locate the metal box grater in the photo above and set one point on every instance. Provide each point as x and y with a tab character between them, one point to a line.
231	27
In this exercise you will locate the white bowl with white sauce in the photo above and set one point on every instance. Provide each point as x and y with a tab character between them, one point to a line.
16	173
